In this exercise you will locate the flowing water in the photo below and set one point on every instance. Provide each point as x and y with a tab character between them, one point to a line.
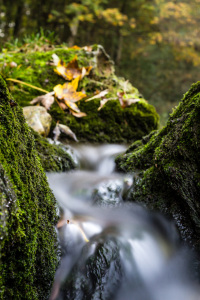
111	249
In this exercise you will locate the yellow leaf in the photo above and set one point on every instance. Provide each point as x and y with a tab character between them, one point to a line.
58	89
72	106
71	70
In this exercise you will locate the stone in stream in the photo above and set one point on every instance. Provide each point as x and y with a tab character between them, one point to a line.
168	168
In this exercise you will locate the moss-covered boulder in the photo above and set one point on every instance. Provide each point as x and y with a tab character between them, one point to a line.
110	124
28	253
53	157
167	166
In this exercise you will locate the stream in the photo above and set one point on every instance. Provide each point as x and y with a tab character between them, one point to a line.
112	249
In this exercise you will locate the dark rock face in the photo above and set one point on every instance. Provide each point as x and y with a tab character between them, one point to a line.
169	168
97	275
28	214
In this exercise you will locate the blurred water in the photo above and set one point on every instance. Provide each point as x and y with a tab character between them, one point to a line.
149	263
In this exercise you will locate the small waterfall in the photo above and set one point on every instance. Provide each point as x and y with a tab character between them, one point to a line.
111	249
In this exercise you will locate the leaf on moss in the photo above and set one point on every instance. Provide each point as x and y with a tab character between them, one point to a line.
46	100
125	101
102	103
87	48
67	95
120	97
68	92
99	95
60	128
75	47
71	70
131	101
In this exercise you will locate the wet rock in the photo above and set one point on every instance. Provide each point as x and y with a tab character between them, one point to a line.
38	119
168	169
108	194
97	274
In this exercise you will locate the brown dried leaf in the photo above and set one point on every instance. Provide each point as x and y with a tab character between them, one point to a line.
87	48
100	95
46	100
56	132
62	105
130	101
79	114
66	130
120	97
102	103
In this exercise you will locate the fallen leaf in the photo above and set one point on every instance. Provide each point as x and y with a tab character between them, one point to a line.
66	130
13	64
60	128
67	96
131	101
68	92
62	105
79	114
100	95
87	48
46	100
120	97
75	47
104	101
56	59
124	102
72	106
71	70
56	132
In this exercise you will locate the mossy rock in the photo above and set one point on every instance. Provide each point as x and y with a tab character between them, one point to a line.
110	124
29	254
168	170
53	157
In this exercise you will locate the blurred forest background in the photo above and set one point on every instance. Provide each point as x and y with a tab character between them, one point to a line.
154	43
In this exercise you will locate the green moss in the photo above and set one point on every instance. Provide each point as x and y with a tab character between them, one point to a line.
53	158
110	124
169	162
28	243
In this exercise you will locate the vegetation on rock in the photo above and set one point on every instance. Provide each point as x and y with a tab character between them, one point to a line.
53	157
112	123
28	210
167	166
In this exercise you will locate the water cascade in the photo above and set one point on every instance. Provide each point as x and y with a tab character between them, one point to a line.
112	249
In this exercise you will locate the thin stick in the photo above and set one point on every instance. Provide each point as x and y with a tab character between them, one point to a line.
29	85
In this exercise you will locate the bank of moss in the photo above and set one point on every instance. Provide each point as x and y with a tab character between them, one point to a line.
112	123
169	168
52	157
28	215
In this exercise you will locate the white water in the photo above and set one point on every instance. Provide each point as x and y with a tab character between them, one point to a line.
152	241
